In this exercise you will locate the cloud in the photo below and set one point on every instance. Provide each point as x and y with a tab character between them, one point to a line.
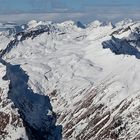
56	17
60	10
86	17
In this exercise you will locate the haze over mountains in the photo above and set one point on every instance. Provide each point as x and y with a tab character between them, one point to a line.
62	10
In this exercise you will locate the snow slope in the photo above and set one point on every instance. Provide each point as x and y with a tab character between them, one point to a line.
87	74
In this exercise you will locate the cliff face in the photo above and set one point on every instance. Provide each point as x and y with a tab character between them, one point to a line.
69	82
11	124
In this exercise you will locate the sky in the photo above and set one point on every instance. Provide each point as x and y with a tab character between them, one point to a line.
86	10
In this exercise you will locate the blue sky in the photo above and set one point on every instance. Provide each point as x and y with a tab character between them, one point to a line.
85	9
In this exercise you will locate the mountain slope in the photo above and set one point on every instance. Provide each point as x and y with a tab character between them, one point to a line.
88	76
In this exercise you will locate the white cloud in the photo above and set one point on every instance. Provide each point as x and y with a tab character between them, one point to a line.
104	13
40	16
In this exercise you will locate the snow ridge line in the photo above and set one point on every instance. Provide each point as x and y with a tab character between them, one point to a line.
21	37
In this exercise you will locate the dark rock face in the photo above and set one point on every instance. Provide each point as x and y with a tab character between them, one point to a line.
126	46
35	110
80	25
10	121
33	107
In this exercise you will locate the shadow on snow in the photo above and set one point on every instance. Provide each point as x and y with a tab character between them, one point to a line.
123	46
34	108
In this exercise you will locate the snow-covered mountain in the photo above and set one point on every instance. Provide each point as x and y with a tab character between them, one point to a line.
70	81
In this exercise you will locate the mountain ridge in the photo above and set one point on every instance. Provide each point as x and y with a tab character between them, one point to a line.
93	90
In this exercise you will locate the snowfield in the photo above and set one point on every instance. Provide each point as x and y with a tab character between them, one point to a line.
70	81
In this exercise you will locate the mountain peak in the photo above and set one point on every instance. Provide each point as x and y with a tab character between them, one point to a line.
70	81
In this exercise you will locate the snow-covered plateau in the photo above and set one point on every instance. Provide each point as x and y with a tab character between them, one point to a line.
70	81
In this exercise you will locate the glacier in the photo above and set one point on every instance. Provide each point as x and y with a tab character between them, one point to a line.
70	81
